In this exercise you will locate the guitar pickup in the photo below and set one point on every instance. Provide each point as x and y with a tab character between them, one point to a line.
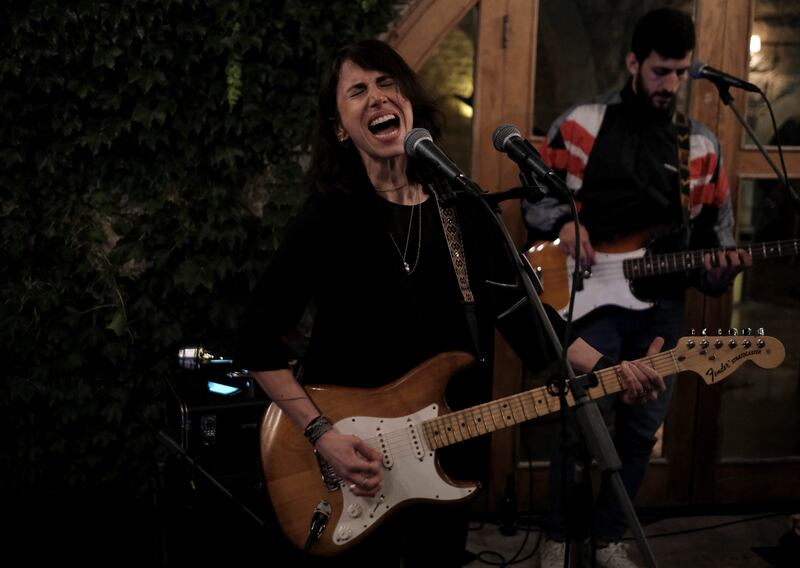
416	442
388	462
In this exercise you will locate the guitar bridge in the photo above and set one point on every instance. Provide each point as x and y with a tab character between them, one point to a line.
330	479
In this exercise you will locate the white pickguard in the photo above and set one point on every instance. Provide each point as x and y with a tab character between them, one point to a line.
606	286
409	471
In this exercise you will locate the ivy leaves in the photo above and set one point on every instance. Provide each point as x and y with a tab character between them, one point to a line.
150	157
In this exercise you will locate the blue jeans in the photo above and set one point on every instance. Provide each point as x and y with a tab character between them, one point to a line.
622	335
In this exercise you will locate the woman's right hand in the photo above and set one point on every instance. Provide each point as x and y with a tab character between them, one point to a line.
566	237
359	465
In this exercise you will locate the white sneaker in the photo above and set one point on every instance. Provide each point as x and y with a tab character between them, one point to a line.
615	555
551	554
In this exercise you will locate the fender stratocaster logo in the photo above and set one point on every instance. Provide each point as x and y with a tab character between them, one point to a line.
725	365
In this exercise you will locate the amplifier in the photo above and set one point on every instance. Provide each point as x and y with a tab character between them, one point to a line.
214	412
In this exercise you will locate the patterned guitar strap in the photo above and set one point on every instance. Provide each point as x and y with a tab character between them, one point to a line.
683	131
455	244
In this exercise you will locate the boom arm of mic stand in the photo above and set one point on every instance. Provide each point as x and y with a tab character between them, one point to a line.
727	100
588	416
531	192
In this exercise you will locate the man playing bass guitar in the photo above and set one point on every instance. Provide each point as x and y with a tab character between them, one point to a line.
638	169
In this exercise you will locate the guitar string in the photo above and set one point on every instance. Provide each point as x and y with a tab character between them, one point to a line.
400	444
766	249
667	262
399	441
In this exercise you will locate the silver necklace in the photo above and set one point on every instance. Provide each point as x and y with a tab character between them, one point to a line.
389	189
410	269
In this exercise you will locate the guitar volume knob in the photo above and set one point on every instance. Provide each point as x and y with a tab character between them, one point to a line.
354	510
344	533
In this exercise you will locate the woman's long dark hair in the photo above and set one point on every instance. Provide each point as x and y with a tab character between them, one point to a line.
337	167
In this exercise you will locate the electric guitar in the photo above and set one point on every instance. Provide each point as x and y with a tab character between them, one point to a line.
407	421
616	276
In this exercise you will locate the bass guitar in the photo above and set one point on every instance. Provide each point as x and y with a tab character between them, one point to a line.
612	280
408	421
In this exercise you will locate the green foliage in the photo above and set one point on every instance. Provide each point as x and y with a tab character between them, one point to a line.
150	156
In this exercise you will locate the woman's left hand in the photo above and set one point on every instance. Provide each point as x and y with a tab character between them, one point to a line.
641	381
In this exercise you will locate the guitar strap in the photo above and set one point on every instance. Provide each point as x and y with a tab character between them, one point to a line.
452	232
682	131
455	244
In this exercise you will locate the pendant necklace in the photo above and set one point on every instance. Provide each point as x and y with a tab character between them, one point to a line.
403	255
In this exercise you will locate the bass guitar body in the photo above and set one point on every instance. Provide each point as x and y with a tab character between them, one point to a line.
604	284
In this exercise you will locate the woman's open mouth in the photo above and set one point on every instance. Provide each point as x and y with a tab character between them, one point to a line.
385	125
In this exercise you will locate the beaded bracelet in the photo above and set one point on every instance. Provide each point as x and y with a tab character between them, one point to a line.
316	428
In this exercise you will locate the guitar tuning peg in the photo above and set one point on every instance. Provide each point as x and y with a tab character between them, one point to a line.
704	332
719	331
733	332
747	331
692	332
760	332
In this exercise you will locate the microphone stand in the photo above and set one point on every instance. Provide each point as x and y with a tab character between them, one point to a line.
170	444
588	417
727	100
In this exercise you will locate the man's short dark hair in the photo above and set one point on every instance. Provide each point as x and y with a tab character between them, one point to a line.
668	32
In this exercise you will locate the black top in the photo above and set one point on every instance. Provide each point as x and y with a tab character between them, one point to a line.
374	322
631	179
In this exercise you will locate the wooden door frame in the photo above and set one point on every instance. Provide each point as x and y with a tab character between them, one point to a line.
724	28
506	52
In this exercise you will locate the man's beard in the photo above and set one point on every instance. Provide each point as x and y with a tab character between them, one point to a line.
666	103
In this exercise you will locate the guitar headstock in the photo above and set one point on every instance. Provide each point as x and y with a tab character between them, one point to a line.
714	357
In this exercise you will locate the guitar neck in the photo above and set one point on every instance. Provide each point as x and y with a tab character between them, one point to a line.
654	265
465	424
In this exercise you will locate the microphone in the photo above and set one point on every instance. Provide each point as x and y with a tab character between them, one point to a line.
699	70
419	144
507	139
319	520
